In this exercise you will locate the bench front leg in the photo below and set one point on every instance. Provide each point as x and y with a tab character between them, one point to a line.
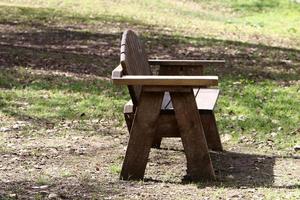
142	134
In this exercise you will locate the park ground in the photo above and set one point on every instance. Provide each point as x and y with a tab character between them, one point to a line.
62	133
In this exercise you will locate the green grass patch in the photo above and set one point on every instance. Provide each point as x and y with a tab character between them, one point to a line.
262	110
43	180
53	97
115	168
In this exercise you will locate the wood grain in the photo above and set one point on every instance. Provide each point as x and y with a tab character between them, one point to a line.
206	99
134	61
187	63
199	166
167	80
211	130
117	72
142	134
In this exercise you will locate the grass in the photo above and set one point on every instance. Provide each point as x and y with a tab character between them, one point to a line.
115	169
43	180
58	97
258	109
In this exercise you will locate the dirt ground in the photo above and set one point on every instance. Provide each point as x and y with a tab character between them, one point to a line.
85	165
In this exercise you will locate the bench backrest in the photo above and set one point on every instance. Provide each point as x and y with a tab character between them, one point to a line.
134	61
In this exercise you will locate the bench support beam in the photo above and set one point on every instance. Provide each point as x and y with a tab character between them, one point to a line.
211	130
142	134
199	166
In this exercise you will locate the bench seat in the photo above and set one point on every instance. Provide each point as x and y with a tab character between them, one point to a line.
206	100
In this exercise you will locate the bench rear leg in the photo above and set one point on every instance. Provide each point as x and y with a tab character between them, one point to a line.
156	142
211	130
141	136
129	120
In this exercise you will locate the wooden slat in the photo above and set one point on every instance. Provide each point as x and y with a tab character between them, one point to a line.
211	130
199	164
134	61
167	88
168	80
128	107
187	62
206	100
117	72
167	127
172	70
141	136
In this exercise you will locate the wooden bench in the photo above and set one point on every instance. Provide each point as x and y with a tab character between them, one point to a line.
176	103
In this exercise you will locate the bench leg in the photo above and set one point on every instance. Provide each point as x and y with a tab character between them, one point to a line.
141	136
199	166
211	131
156	142
129	120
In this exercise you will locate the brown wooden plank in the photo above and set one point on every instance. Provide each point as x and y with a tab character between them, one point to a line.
134	61
167	88
167	80
167	127
167	102
211	131
156	142
129	120
206	100
128	107
179	70
187	63
142	134
117	72
199	166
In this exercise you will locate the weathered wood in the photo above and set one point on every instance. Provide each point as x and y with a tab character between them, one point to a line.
211	130
128	107
117	72
134	61
199	166
167	88
205	98
129	120
141	136
187	62
179	70
156	142
167	80
167	127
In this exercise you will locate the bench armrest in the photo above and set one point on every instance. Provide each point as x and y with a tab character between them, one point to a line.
119	79
187	62
167	80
